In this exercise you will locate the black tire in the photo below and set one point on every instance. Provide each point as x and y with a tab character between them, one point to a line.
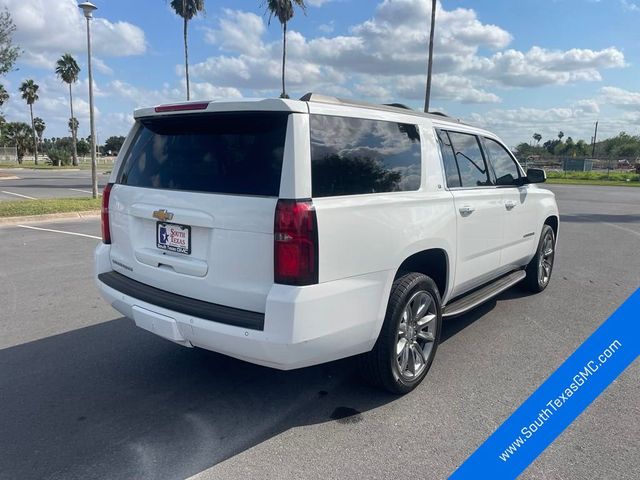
382	365
536	281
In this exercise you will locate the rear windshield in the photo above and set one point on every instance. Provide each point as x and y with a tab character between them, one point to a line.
233	153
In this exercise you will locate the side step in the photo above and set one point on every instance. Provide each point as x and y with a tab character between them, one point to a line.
477	297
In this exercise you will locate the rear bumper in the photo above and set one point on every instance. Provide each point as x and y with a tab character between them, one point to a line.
302	326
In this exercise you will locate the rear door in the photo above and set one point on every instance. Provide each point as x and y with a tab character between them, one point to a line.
519	206
193	205
479	209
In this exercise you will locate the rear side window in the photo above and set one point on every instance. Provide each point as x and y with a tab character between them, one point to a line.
352	156
470	161
232	153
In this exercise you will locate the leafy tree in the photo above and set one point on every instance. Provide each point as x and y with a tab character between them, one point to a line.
187	9
84	148
114	144
4	95
39	126
550	145
29	90
537	137
8	51
20	135
622	145
67	70
560	135
283	10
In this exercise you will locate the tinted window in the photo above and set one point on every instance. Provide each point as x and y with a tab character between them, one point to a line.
236	153
473	170
504	165
351	156
449	160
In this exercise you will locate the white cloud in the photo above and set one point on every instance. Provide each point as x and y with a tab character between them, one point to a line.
45	29
318	3
384	58
143	97
519	124
630	6
620	98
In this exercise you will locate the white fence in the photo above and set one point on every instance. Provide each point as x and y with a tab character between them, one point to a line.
8	154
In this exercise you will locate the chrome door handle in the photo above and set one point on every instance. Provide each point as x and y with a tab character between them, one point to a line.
466	210
510	204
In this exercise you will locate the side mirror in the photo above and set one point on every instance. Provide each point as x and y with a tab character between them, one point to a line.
536	175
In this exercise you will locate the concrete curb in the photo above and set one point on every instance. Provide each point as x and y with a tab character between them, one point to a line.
49	217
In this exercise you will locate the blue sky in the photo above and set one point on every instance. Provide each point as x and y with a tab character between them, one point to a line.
513	67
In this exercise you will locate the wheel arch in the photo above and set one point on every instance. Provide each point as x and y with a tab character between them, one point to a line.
433	262
554	223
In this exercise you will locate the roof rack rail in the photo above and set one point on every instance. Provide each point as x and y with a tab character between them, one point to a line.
398	105
390	107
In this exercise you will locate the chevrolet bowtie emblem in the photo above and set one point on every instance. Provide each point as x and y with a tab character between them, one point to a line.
163	215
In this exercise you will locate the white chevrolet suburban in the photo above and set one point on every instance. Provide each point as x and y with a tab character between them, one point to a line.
290	233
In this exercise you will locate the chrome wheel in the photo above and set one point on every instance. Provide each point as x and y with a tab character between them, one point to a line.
545	264
416	335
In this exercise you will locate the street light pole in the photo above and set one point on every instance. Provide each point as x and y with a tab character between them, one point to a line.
87	9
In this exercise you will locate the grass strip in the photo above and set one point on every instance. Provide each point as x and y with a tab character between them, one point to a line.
20	208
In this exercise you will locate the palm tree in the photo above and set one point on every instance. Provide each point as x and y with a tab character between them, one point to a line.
4	97
67	70
29	91
187	9
39	126
537	137
283	9
20	135
427	97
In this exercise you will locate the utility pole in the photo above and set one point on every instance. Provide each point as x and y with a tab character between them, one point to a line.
595	139
430	65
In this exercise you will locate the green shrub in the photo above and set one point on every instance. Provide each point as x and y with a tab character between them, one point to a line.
59	157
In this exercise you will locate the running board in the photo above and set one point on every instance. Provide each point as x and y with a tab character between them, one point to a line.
472	300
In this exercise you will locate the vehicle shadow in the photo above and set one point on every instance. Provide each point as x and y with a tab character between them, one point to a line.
112	401
600	217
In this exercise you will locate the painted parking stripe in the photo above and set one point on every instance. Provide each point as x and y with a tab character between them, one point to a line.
18	195
83	191
59	231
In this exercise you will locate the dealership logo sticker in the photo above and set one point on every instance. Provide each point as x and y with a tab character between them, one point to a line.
560	399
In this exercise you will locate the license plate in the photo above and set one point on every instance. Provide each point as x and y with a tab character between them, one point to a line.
173	237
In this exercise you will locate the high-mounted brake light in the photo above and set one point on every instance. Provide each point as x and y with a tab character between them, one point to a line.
182	107
104	214
296	243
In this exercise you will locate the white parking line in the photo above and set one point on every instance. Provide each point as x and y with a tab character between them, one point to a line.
18	195
59	231
83	191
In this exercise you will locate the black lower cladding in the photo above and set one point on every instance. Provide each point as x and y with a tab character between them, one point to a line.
181	304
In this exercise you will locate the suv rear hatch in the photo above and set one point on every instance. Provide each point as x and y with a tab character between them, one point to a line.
192	208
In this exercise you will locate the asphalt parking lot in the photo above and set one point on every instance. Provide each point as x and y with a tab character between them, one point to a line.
35	184
85	394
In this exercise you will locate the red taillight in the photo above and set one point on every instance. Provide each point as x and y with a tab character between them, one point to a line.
296	243
182	107
104	214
